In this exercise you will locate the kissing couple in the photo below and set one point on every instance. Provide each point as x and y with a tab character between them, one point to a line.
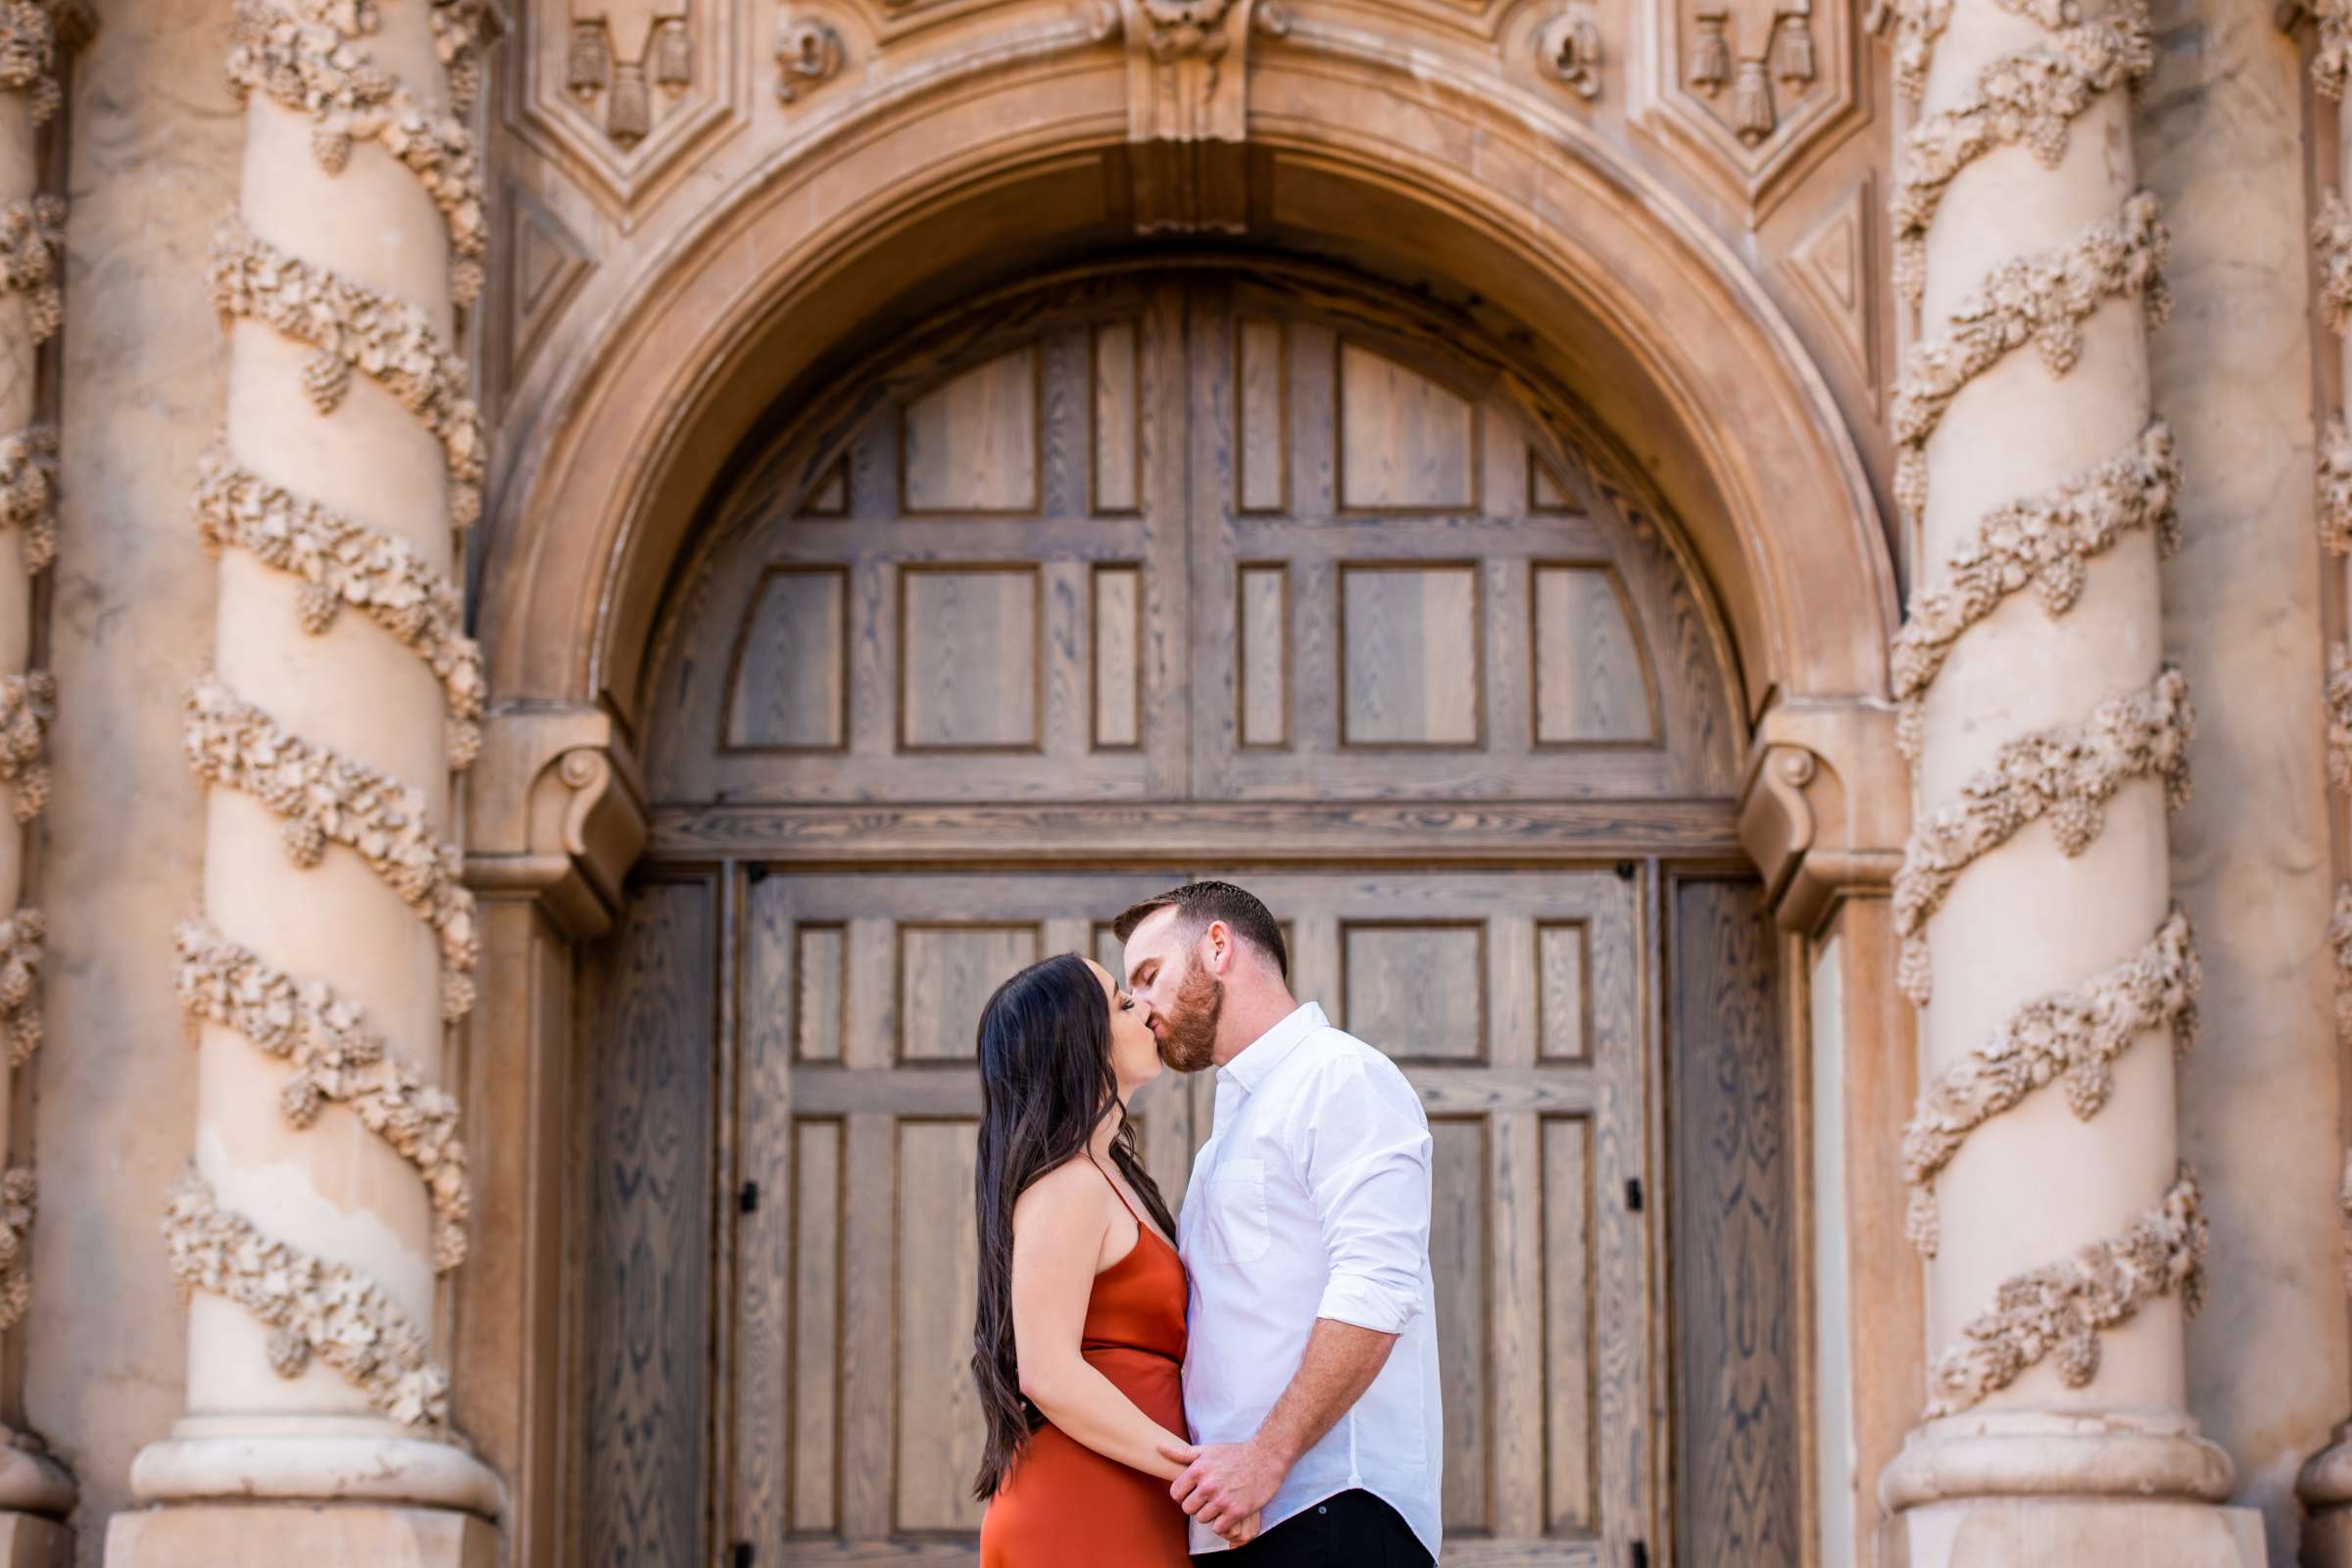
1259	1379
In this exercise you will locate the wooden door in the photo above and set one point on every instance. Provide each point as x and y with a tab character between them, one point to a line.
1113	582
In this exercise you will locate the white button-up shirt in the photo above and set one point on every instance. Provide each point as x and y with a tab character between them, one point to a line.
1311	1199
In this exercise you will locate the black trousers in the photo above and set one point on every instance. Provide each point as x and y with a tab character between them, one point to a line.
1353	1530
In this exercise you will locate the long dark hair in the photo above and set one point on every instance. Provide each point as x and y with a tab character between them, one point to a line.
1046	1082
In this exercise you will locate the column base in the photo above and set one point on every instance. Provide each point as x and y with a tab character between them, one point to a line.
2034	1532
28	1541
309	1458
2326	1490
223	1535
1990	1456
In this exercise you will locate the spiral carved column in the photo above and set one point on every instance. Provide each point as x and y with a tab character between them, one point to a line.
2324	1485
2063	1238
337	943
35	1490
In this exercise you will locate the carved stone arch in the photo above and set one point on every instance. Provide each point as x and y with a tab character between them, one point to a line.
1551	237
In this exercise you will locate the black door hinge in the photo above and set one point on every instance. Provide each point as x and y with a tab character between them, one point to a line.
743	1555
747	1202
1632	1193
1641	1554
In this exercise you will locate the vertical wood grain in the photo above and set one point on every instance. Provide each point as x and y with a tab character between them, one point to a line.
822	991
1570	1481
937	1414
1261	414
648	1255
790	685
1117	417
1404	441
776	1005
972	444
1460	1215
1734	1307
1119	647
817	1286
1262	654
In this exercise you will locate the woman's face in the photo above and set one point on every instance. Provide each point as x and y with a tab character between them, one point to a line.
1134	1053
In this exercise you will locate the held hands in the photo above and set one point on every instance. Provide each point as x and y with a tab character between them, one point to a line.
1224	1485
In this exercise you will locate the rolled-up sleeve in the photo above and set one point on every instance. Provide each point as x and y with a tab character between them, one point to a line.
1367	1175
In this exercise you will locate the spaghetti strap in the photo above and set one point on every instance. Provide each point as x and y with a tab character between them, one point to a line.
1115	1192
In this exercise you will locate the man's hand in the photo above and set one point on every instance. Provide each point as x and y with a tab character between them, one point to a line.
1224	1485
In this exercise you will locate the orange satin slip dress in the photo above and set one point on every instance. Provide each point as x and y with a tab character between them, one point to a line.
1063	1506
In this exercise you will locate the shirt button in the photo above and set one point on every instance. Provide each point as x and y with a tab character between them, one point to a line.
1320	1509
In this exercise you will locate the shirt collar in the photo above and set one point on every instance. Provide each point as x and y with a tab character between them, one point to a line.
1256	1061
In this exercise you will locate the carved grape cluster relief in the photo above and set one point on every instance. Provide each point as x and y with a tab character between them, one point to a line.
2072	1040
312	60
2045	542
312	1307
1918	23
2067	775
28	54
2061	1308
2030	97
340	562
2042	300
352	328
33	251
462	31
29	492
2331	64
336	1057
27	704
19	1192
325	798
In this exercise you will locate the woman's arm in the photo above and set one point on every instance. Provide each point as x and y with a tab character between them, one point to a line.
1057	1232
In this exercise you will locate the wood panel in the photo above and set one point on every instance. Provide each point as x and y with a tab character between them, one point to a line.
1591	682
1118	417
973	444
651	1208
1459	1256
1263	656
1119	656
1735	1305
1405	442
946	973
789	686
1410	667
938	1412
971	657
1419	989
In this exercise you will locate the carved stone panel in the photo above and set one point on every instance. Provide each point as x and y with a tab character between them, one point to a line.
1749	91
621	91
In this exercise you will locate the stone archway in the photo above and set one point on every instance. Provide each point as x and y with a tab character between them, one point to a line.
1526	217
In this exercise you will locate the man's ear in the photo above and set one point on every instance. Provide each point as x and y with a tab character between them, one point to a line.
1219	937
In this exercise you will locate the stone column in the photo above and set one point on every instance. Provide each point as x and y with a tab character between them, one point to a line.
2063	1238
35	1492
2324	1485
327	1190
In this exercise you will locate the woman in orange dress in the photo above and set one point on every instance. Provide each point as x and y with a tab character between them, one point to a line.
1078	1343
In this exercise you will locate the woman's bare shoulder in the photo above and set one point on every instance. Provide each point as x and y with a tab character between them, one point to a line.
1071	1193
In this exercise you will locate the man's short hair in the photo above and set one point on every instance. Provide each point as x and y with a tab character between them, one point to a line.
1200	903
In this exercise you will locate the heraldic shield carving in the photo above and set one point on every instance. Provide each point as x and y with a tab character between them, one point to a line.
620	90
1750	91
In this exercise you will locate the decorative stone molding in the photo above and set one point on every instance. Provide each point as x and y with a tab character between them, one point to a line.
462	31
2072	1040
27	704
2332	60
342	562
2045	542
2067	775
313	61
1568	48
325	798
32	259
2030	97
314	1308
352	328
335	1057
18	1195
2039	299
2061	1308
599	74
807	52
29	492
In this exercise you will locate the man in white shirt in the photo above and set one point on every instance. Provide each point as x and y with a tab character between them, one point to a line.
1311	1378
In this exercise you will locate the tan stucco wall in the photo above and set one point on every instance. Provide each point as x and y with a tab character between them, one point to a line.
155	143
2219	138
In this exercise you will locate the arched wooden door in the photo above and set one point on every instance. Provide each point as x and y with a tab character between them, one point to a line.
1120	581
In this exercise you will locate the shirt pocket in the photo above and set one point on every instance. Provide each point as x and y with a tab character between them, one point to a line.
1237	1209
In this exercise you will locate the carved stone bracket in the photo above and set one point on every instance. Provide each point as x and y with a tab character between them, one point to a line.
559	814
1822	810
1188	106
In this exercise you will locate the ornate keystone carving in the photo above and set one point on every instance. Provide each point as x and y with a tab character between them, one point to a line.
1186	118
2061	1308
